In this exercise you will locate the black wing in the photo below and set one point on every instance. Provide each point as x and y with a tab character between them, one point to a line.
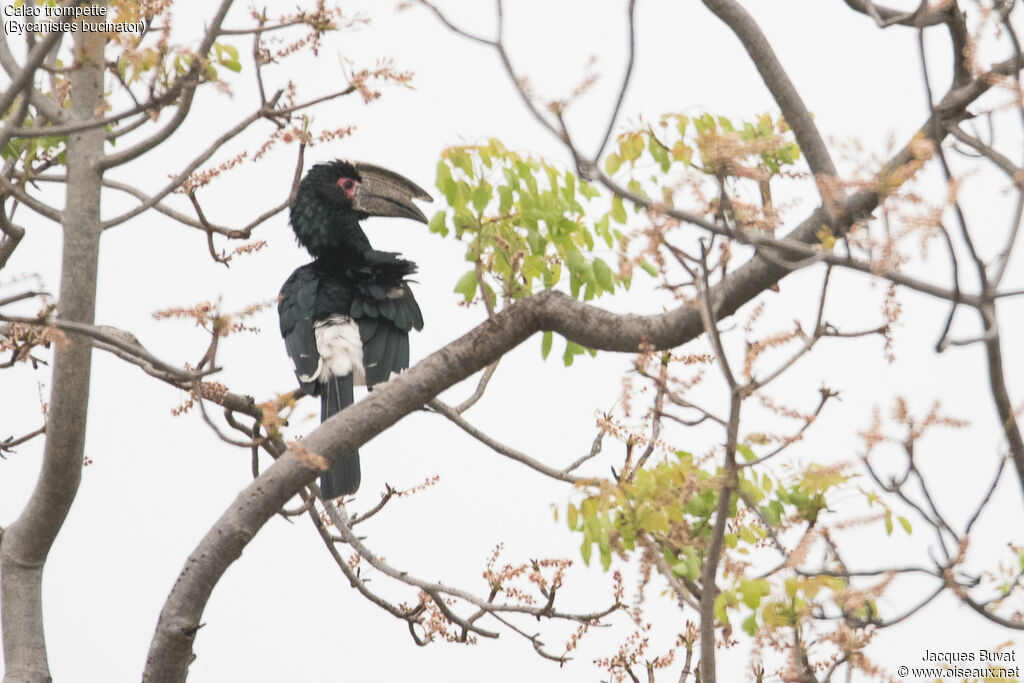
295	311
384	325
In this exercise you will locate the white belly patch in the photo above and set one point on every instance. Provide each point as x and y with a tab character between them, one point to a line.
340	349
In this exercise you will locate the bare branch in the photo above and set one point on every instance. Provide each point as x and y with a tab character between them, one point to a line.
198	161
444	409
23	80
1011	169
184	106
455	29
1000	393
8	444
477	393
709	572
29	201
14	234
631	32
886	17
43	104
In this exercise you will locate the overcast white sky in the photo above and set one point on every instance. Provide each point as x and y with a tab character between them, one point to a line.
283	611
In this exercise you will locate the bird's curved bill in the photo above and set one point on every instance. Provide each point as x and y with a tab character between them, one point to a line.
385	193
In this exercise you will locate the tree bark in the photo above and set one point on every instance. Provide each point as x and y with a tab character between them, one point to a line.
27	542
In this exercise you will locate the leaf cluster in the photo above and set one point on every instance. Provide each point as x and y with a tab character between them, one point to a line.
670	507
527	225
711	144
524	219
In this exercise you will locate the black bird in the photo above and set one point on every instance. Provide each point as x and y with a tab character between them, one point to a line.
346	316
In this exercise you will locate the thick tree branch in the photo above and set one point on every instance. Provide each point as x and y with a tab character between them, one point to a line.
26	543
781	88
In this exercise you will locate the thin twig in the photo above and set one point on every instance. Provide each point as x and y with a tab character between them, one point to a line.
447	411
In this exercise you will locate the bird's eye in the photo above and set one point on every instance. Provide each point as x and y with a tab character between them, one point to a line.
347	184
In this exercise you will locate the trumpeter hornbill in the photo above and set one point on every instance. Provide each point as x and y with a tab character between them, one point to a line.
346	316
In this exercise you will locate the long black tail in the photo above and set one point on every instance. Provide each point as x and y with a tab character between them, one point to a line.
343	477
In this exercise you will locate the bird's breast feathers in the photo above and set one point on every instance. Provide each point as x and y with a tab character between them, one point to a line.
340	349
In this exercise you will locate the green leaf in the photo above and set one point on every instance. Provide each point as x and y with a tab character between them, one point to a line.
618	211
634	146
481	197
905	523
569	191
692	564
604	275
746	452
545	344
682	152
773	512
466	285
533	266
437	225
612	163
572	349
750	625
578	265
552	275
588	190
573	516
505	202
636	188
585	550
659	153
720	605
656	520
601	228
752	591
628	537
462	161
